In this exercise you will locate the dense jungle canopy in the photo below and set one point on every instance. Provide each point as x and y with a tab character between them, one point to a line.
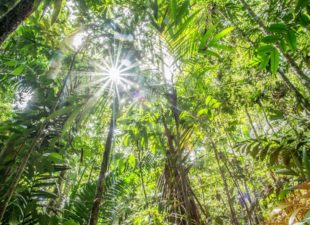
154	112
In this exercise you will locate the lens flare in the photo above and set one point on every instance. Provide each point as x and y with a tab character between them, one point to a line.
115	74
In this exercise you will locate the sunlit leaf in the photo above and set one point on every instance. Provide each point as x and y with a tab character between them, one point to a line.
274	60
18	70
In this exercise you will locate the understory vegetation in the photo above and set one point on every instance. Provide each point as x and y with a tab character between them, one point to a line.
154	112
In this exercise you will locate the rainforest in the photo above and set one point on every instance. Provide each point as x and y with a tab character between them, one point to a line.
154	112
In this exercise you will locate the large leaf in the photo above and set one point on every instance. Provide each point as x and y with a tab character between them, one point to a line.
264	49
274	60
264	61
270	39
291	38
18	70
278	28
222	34
173	6
56	11
207	36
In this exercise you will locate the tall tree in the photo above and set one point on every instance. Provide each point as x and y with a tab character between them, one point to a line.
11	19
93	220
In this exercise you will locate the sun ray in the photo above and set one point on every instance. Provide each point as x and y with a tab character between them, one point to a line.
129	67
115	74
118	54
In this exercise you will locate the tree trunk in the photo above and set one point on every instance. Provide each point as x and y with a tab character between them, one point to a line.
104	167
10	21
302	76
234	219
251	122
265	115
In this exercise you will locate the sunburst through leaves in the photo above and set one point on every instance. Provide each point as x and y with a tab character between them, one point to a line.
114	73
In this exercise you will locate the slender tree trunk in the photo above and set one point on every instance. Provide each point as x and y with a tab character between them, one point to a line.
302	76
91	172
234	219
204	210
10	21
265	115
103	169
298	95
251	122
237	185
177	189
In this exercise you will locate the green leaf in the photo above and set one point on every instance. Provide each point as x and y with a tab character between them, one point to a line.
132	160
216	105
264	61
247	148
154	6
70	222
56	11
220	46
270	39
291	38
285	172
264	49
297	161
207	36
203	112
274	155
182	10
173	6
54	157
255	149
43	194
11	63
264	152
18	70
212	53
283	45
223	33
274	60
208	100
184	25
278	28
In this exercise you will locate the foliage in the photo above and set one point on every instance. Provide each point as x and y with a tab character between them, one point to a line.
209	103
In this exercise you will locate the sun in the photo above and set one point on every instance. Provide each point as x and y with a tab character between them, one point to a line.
115	74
